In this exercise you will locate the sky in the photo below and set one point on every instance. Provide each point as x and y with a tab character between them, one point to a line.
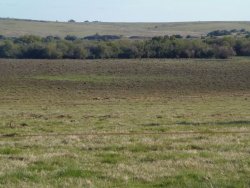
127	10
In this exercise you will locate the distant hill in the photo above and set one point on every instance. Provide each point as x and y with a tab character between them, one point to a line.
15	27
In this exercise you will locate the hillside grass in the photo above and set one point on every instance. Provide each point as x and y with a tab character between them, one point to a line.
10	27
70	97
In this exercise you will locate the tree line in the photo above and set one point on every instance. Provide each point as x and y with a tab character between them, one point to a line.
71	47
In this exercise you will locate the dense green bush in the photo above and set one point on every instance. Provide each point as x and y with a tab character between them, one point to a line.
70	37
71	47
220	33
9	50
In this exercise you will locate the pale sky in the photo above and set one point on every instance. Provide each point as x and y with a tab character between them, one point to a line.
127	10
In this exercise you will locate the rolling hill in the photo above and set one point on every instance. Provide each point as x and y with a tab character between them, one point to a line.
15	27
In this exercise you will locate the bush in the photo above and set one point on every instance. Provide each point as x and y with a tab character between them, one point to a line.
70	38
219	33
9	50
158	47
224	52
102	37
71	21
28	39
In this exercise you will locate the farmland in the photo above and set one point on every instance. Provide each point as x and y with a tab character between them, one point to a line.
120	123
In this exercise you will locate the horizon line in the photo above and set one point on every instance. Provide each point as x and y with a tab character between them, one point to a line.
99	21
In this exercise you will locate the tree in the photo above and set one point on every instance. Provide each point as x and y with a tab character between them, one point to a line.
71	21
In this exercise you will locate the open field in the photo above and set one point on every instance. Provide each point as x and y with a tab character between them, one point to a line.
10	27
74	111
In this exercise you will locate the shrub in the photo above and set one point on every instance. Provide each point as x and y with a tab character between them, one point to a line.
158	47
9	50
70	38
224	52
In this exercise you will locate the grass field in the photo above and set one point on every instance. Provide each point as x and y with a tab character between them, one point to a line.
9	27
197	111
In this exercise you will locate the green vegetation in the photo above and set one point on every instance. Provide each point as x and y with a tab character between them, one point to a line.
226	32
34	47
70	97
54	40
